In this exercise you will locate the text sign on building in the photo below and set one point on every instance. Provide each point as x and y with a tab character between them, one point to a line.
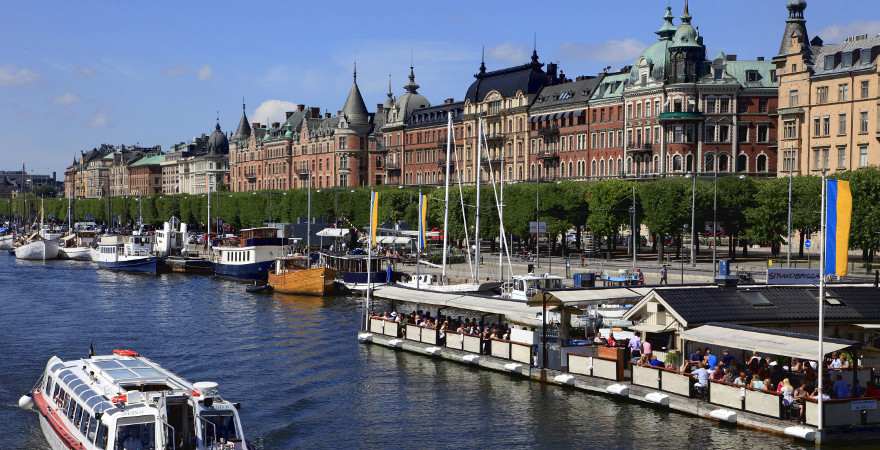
537	227
792	276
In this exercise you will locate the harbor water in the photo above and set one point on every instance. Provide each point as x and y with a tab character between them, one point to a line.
303	380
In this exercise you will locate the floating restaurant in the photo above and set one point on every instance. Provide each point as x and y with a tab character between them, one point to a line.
751	352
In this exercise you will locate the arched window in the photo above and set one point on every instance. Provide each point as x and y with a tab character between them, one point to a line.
762	163
532	172
742	163
689	162
610	167
629	165
593	172
709	165
676	163
656	168
601	167
570	173
619	166
723	163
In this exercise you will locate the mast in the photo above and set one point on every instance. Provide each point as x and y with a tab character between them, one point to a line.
477	218
822	256
419	241
369	263
501	239
446	195
69	216
208	237
309	221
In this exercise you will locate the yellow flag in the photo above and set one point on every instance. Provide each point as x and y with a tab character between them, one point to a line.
374	217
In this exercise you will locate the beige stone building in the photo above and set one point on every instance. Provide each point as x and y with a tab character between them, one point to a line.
828	100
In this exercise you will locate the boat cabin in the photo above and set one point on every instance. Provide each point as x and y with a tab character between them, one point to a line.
522	287
128	401
259	236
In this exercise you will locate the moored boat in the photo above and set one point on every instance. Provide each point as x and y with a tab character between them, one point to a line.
252	258
188	264
292	275
126	254
126	401
38	249
77	246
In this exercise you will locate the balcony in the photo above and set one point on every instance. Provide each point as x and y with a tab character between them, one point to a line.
494	138
549	132
492	159
441	144
442	164
640	147
392	168
549	156
303	173
681	116
252	177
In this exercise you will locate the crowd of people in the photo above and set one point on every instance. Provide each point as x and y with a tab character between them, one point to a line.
793	379
444	325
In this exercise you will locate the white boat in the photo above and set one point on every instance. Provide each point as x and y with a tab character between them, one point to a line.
126	401
6	242
38	249
171	239
253	258
77	246
522	287
75	253
126	254
431	282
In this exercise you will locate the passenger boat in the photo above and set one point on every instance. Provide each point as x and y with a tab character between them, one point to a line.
292	275
126	254
351	270
522	287
126	401
37	249
252	258
78	246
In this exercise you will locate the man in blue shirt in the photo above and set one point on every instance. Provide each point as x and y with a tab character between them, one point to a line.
840	387
711	360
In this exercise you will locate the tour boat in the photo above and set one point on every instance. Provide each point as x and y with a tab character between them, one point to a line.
524	286
252	258
292	275
126	254
351	270
37	249
126	401
78	246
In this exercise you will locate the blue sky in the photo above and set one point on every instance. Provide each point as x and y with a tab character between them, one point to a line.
77	74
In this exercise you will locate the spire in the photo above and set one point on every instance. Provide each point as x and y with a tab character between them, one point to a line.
355	110
667	30
482	62
355	71
244	127
686	15
796	31
412	87
535	48
389	100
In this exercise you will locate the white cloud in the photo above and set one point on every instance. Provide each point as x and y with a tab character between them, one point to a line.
67	99
272	111
16	76
839	32
99	120
205	72
612	51
510	53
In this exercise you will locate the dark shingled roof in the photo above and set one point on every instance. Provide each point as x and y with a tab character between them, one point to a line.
564	94
435	115
529	78
772	304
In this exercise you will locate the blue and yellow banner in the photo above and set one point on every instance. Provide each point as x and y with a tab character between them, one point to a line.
838	216
423	220
374	217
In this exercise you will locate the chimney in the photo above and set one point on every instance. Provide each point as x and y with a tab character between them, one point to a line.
316	113
327	115
300	108
448	101
551	72
380	107
760	58
731	57
287	114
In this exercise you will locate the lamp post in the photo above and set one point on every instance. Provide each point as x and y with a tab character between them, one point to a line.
714	222
788	256
694	220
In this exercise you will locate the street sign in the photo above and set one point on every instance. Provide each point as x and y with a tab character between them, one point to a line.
792	276
808	243
537	227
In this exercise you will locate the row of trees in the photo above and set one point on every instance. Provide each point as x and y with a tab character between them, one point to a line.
748	210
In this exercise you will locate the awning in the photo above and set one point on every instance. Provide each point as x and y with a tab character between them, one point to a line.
613	296
869	326
516	312
393	240
649	328
333	232
763	340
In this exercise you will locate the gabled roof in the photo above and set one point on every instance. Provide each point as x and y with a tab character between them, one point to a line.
762	304
528	78
154	160
610	87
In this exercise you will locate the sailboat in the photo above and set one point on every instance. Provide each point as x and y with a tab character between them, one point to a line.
294	274
38	248
77	244
431	282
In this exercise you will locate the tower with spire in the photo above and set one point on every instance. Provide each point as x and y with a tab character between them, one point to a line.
687	52
355	110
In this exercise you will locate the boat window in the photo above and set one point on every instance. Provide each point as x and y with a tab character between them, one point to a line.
48	390
84	425
136	436
77	415
518	285
101	436
93	427
70	407
219	426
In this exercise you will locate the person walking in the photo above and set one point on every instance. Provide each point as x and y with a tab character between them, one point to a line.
664	274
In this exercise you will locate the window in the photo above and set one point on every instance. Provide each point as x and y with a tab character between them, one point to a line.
676	163
752	75
710	106
841	124
793	98
863	156
820	158
847	59
725	105
843	93
817	126
762	163
841	157
863	122
763	133
865	88
762	105
742	163
826	126
710	133
723	133
342	145
742	133
144	434
829	62
717	73
789	159
822	94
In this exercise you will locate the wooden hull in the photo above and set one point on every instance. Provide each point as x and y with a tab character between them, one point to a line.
317	281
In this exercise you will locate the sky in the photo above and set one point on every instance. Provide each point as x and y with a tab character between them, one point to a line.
74	75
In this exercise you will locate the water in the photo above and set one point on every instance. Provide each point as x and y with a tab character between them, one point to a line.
302	378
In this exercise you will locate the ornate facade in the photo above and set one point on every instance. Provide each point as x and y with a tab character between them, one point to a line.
828	96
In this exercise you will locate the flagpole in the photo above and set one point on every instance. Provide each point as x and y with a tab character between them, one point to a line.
477	215
820	362
419	242
369	265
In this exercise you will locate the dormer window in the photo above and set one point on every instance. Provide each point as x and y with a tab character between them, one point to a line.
752	76
829	62
718	73
847	59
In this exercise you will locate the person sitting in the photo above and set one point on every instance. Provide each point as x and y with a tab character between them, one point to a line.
702	377
711	360
696	356
757	384
611	341
741	379
836	363
840	387
727	358
800	397
599	340
768	385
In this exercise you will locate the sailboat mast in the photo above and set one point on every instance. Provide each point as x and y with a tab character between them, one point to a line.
501	216
446	195
477	218
208	236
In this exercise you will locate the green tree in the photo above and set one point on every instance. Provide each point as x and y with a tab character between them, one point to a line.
667	208
609	203
768	216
